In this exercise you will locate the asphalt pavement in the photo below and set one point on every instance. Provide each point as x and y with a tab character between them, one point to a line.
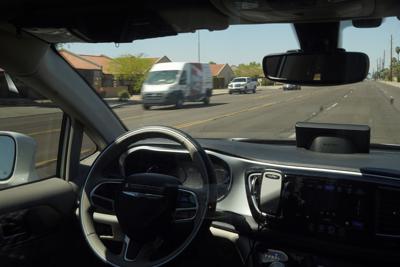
268	114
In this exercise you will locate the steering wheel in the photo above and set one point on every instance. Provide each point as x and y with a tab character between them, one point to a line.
146	207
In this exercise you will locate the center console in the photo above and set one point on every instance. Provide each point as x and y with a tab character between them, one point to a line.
313	206
328	208
322	218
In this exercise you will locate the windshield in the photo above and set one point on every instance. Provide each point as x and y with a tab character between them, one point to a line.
205	104
161	77
239	80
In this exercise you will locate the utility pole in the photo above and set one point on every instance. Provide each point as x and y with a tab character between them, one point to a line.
198	46
383	60
391	56
378	67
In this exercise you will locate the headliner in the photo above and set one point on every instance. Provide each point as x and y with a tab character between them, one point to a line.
122	21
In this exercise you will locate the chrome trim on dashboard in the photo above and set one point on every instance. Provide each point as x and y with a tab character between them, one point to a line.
387	235
141	195
162	149
251	182
127	240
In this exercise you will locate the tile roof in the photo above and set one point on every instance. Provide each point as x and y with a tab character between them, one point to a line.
101	60
216	69
155	60
79	62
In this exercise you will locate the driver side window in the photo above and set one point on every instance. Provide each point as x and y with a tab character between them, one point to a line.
34	125
183	79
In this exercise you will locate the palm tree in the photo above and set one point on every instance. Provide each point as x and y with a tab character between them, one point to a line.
397	49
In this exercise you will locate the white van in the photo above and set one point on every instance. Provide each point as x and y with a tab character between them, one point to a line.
174	83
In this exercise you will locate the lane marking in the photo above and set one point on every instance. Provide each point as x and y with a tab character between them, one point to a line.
190	124
44	132
332	106
143	116
198	122
45	162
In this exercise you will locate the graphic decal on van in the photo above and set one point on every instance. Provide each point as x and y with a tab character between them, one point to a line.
196	83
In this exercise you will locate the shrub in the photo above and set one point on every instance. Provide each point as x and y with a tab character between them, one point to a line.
266	82
138	84
102	92
123	95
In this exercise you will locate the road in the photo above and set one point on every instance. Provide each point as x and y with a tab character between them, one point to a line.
268	114
272	114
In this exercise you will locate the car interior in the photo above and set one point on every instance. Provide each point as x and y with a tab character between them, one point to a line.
156	195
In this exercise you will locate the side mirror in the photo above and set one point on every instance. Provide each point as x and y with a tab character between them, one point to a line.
335	68
17	159
7	157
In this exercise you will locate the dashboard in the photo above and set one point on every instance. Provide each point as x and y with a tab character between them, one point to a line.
349	205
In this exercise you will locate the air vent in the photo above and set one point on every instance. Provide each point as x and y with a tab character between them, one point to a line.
388	212
265	191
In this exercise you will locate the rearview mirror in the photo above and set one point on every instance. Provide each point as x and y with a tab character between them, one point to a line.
7	156
333	68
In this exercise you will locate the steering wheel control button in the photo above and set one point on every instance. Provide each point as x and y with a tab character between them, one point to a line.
186	199
186	206
145	205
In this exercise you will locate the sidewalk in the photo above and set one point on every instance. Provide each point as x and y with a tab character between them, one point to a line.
396	84
215	92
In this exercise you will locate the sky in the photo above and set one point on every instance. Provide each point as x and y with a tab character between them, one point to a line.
245	43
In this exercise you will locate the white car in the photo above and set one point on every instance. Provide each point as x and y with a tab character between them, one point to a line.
243	85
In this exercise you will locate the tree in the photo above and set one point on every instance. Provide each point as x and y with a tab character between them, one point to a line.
212	62
253	69
131	70
397	49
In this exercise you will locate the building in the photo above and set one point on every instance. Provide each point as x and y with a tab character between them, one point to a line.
162	59
91	71
104	62
97	71
222	75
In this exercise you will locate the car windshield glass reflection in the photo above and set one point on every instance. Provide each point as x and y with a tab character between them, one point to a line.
239	80
162	77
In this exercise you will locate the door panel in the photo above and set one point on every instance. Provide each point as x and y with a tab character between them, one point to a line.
38	226
53	192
